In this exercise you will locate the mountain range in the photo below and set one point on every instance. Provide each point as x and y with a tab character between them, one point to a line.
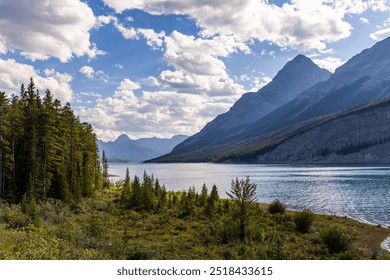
301	99
124	149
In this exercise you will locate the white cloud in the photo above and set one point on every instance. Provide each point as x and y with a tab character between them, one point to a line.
128	85
153	39
88	71
104	20
259	83
329	63
43	29
127	33
299	24
13	73
364	20
198	67
90	94
91	74
197	63
162	113
383	32
380	34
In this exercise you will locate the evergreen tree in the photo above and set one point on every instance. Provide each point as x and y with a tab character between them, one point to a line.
135	198
3	142
106	182
126	194
212	202
203	195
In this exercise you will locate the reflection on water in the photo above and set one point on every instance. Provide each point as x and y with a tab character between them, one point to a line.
360	192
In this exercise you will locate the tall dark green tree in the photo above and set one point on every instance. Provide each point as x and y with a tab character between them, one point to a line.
126	193
106	182
212	201
3	142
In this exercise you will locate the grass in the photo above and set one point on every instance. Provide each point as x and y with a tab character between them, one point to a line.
99	228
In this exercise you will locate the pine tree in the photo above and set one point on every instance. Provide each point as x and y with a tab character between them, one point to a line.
106	182
3	142
212	202
136	196
203	195
126	193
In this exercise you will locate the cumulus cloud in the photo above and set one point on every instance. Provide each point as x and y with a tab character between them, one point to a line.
364	20
299	24
329	63
162	113
44	29
88	71
198	65
258	83
12	73
91	74
153	39
380	34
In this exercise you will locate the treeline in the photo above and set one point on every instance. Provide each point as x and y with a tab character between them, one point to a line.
45	151
149	196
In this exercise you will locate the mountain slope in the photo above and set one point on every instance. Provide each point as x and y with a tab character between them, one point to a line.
364	78
295	77
359	135
126	149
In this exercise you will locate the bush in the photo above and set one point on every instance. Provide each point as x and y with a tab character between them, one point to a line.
276	207
303	220
335	239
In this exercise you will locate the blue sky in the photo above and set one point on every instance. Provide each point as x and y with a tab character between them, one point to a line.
163	67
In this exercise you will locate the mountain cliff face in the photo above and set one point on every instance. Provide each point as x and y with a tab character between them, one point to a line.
361	135
126	150
296	76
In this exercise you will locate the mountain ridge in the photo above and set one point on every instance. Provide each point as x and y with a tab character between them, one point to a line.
296	76
124	149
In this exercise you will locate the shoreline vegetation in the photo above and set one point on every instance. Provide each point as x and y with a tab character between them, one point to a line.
139	219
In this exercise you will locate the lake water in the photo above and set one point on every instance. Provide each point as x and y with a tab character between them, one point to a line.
361	192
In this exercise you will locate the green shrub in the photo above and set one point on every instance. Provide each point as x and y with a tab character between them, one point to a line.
335	239
303	220
276	207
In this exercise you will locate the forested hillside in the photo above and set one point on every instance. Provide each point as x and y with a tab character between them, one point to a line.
45	151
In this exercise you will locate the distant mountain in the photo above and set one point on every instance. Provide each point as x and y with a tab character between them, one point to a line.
363	79
296	76
127	150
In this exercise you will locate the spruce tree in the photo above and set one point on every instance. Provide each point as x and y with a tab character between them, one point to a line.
105	170
126	193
